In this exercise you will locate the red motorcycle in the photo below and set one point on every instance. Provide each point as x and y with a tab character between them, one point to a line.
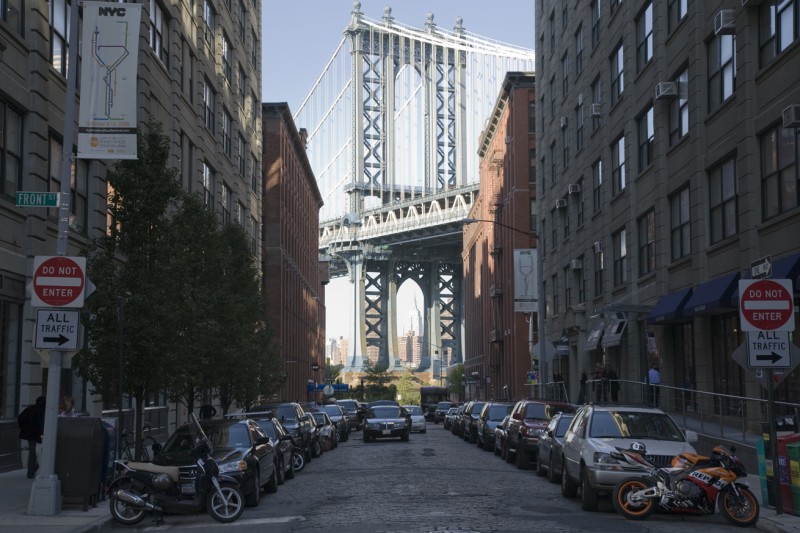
694	485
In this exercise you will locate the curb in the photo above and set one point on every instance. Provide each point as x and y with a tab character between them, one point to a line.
98	526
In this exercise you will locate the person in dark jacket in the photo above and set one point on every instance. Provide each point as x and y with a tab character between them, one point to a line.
582	392
31	427
613	383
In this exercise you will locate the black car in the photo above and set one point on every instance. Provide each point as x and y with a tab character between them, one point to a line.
469	420
241	448
492	415
282	443
291	416
386	421
548	460
328	434
355	415
440	411
339	417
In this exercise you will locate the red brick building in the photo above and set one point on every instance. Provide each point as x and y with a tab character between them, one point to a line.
497	339
290	261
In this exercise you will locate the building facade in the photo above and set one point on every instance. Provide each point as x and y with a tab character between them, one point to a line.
199	75
498	340
666	169
292	277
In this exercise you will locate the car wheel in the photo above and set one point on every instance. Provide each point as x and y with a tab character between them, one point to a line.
298	462
523	458
272	484
252	498
568	487
551	473
316	449
281	472
540	471
589	494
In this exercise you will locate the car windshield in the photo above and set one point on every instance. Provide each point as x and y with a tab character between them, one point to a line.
320	418
452	410
476	407
443	405
499	412
563	424
350	405
221	436
286	413
544	411
634	425
415	410
268	427
332	410
384	411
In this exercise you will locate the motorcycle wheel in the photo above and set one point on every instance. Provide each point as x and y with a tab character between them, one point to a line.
631	510
225	507
125	513
741	510
298	461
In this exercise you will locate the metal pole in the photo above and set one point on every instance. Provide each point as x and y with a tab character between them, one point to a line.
542	307
45	498
120	332
773	444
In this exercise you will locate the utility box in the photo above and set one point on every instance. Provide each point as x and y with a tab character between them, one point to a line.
79	459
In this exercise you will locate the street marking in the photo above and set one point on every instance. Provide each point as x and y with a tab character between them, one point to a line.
248	522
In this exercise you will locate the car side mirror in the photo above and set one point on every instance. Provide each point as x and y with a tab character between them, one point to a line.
691	436
262	440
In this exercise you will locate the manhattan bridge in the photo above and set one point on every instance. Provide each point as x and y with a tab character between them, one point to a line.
394	121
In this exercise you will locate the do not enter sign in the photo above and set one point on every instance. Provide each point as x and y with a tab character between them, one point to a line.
58	281
766	305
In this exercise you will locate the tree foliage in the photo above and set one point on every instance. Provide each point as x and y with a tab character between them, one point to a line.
455	380
377	382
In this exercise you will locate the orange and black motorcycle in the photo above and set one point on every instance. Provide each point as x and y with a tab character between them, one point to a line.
692	486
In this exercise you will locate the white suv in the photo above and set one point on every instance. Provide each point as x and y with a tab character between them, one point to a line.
598	430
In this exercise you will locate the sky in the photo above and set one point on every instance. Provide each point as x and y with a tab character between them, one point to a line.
299	37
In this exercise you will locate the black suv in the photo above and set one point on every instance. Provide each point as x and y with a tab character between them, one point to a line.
301	427
440	410
469	420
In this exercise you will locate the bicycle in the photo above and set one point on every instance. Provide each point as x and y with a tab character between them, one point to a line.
129	446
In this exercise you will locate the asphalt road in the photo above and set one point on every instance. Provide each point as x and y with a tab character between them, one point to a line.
434	482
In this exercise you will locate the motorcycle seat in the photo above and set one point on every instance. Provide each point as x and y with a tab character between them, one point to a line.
172	471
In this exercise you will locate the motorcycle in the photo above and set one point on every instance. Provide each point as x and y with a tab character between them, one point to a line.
693	485
143	488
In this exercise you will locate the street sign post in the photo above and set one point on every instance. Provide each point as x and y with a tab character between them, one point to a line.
58	281
766	305
37	199
56	329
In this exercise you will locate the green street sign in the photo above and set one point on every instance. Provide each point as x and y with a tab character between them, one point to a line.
37	199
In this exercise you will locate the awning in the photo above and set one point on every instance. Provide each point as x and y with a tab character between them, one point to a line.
593	339
787	268
613	332
713	294
670	307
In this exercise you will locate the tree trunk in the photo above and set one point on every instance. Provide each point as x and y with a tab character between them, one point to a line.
138	415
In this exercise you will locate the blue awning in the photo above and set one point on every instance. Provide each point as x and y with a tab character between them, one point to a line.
787	268
713	294
669	308
595	334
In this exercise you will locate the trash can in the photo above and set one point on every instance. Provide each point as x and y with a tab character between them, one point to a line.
79	459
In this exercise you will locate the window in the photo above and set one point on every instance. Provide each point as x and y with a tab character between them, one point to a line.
59	41
579	127
597	186
532	168
779	26
12	14
595	7
242	20
620	258
254	105
254	233
187	71
541	242
567	287
644	37
227	203
159	32
554	229
564	75
617	75
544	175
722	200
581	282
579	51
238	216
227	63
618	165
647	133
553	163
564	15
208	185
647	243
565	146
255	173
227	125
533	215
676	12
11	324
532	117
679	110
553	96
581	208
555	293
10	150
599	267
209	17
597	98
254	48
242	91
679	224
240	150
208	105
615	5
565	220
779	176
552	25
721	69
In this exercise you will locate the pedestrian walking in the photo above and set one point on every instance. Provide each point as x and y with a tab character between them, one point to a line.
654	377
31	427
613	383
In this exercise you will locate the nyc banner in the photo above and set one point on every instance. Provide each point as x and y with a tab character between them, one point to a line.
110	46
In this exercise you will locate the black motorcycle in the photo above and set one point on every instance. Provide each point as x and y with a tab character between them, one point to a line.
143	488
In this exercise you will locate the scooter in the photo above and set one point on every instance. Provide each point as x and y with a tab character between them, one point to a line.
143	488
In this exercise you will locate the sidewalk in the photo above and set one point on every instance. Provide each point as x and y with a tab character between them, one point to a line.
15	489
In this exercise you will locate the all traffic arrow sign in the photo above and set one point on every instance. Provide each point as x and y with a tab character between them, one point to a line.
56	329
768	349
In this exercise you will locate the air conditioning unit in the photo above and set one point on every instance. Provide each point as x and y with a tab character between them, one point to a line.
598	247
576	264
791	116
495	291
666	90
752	3
596	109
561	203
563	122
725	22
573	188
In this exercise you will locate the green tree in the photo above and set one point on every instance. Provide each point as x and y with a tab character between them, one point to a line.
455	380
408	389
377	382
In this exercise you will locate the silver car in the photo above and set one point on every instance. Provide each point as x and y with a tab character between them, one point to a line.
598	430
417	418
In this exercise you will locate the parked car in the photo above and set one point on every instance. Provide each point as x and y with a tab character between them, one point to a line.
455	429
386	421
291	416
500	433
440	411
528	420
448	417
328	433
316	434
241	449
469	420
598	430
282	443
548	459
340	419
377	403
351	407
418	422
491	415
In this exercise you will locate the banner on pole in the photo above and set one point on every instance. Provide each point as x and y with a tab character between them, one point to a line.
110	51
